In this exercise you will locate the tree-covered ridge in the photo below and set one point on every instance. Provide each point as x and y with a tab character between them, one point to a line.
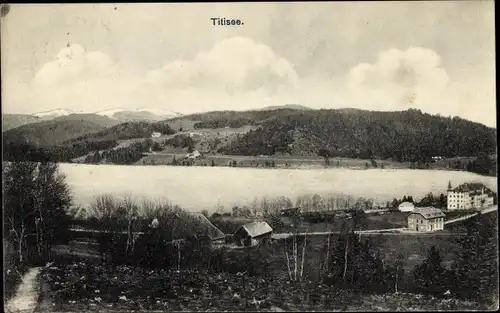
127	130
65	151
404	136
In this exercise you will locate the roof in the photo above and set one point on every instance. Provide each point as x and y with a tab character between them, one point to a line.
205	227
290	209
406	204
429	212
467	187
256	229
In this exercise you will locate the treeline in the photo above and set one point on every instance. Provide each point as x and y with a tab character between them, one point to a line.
483	165
19	151
357	265
267	140
408	136
180	141
429	199
125	155
224	122
127	130
171	236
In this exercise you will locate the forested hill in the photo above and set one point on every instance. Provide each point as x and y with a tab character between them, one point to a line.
408	136
404	136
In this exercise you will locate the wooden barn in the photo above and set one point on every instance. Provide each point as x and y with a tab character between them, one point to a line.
253	234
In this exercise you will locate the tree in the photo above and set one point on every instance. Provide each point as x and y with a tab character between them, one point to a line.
430	276
213	163
374	163
205	213
399	273
326	154
36	202
428	200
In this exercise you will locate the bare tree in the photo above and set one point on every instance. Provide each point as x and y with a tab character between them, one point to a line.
36	202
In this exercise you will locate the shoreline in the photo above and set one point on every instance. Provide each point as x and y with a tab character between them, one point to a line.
281	167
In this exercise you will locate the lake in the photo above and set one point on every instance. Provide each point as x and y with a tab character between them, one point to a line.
197	188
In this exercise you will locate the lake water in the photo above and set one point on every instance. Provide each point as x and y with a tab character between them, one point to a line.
197	188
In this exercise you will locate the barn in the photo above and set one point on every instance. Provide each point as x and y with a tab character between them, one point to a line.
426	219
253	234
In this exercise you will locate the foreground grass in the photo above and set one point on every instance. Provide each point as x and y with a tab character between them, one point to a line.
95	288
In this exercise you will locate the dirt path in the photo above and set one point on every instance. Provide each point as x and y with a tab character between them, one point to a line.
26	297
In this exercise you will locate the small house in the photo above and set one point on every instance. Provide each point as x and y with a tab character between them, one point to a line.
406	207
253	234
193	155
426	219
155	135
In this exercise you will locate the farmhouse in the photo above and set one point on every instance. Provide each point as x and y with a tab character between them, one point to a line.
253	234
426	219
406	207
469	196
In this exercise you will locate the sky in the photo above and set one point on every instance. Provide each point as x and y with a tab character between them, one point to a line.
438	57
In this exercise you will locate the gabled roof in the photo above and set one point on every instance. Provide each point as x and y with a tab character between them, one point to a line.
256	229
428	212
205	227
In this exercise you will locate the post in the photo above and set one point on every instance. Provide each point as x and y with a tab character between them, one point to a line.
295	255
345	256
327	254
303	253
396	285
288	263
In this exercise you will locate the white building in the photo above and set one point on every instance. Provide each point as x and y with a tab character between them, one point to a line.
155	135
193	155
426	219
469	196
406	207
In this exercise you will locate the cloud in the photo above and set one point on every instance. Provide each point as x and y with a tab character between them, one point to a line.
234	65
73	65
234	70
398	79
238	73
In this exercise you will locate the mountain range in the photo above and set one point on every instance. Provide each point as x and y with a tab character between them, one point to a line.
118	115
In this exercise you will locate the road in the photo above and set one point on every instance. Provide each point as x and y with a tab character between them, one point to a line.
26	297
462	218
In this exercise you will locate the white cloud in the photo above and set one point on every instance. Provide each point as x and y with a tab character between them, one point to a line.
73	65
234	65
399	79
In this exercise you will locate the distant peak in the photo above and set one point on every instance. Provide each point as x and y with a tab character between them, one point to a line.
286	106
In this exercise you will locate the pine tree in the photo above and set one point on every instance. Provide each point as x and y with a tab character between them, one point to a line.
430	276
